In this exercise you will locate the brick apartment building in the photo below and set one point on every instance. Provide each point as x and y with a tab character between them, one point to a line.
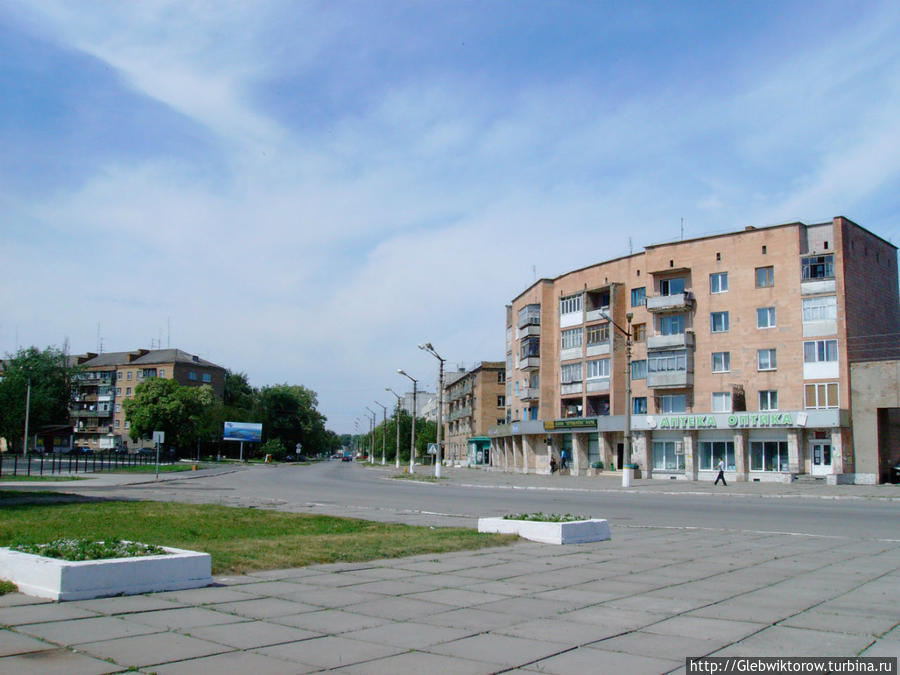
475	401
97	414
742	348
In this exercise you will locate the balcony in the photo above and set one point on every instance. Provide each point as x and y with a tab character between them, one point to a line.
670	379
90	413
465	411
815	286
597	314
569	354
598	385
531	329
571	388
530	315
663	304
529	363
93	430
677	341
94	382
599	349
530	394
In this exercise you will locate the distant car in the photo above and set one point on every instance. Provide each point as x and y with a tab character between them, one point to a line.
346	458
84	450
296	458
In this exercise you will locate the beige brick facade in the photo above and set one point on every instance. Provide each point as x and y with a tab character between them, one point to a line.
475	402
742	347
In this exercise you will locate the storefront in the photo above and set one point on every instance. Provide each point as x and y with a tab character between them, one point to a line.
479	451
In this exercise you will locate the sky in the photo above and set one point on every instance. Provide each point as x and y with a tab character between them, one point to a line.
305	191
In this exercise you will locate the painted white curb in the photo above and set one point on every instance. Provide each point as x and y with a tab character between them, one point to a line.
85	579
574	532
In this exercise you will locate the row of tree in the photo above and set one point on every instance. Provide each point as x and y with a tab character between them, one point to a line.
192	417
386	433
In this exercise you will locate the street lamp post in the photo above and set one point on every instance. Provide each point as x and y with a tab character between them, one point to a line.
438	459
374	417
397	452
383	428
412	440
627	466
27	411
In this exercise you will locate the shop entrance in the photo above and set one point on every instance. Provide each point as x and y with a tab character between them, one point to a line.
620	455
821	458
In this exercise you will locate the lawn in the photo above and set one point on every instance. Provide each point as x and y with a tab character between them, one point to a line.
8	478
239	539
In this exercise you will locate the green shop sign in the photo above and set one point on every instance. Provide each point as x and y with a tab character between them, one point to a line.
742	420
550	425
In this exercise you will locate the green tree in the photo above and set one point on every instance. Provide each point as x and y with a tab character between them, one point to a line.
160	404
288	412
51	378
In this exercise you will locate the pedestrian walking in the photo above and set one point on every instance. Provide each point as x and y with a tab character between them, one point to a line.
562	457
721	477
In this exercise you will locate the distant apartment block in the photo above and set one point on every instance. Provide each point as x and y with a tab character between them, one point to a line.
475	400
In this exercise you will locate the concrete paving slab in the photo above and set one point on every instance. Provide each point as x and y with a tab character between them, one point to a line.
77	631
469	618
206	596
446	580
576	598
511	588
330	597
46	611
601	615
457	597
503	650
656	604
262	608
329	652
183	619
883	647
15	643
723	630
330	621
589	660
150	650
572	632
784	641
669	647
233	663
396	608
276	588
392	587
19	599
740	610
819	619
526	608
127	604
409	635
419	662
252	634
56	662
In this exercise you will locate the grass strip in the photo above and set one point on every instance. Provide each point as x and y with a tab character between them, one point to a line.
7	587
238	539
33	478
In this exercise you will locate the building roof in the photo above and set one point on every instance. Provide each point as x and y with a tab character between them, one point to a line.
144	357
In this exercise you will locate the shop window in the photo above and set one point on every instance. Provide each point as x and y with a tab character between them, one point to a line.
765	277
710	452
668	456
769	456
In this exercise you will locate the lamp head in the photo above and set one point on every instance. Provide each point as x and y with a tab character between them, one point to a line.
421	346
629	316
428	345
401	371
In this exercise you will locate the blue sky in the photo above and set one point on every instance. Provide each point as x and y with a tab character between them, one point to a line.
306	191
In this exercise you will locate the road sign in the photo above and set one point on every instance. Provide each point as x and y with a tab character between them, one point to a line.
159	437
432	448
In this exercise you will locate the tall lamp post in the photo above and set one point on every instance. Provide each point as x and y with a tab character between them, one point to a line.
397	453
371	432
383	428
412	440
440	423
627	466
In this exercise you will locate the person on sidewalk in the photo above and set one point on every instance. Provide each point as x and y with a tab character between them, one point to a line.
721	477
562	457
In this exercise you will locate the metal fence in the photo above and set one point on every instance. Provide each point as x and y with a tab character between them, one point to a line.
53	464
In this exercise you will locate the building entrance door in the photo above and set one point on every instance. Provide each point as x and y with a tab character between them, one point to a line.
620	455
821	459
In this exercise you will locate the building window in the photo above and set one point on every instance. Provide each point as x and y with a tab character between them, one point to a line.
570	304
639	405
817	267
822	395
128	391
117	424
721	362
207	377
718	282
571	338
638	297
765	317
671	286
192	375
769	456
639	332
501	401
668	456
639	370
127	424
820	309
118	407
765	277
531	346
128	376
598	334
499	422
118	391
571	373
721	401
765	359
517	387
768	400
121	375
673	403
711	452
718	322
598	369
818	351
501	377
672	324
162	372
667	362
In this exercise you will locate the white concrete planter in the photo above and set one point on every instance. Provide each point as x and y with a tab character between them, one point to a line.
82	580
574	532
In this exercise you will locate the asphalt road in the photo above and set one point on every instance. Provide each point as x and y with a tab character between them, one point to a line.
347	488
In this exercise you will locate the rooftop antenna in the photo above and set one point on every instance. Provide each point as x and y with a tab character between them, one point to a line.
630	247
99	343
682	229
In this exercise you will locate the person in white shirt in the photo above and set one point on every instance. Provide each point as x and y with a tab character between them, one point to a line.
721	477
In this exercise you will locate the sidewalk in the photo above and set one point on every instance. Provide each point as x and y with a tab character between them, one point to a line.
639	603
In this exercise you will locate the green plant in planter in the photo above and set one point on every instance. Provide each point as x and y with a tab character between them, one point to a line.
85	549
597	465
545	517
